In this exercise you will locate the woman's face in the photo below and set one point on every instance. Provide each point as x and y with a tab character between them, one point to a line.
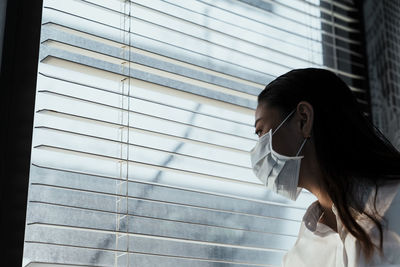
288	138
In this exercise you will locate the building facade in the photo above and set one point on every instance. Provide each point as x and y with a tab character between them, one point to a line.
382	31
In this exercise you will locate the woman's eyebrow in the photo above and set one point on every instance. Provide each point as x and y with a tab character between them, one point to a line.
255	124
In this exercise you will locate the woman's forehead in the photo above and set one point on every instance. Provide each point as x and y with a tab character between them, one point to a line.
264	112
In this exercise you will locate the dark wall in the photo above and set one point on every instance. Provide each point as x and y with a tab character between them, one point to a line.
383	52
19	63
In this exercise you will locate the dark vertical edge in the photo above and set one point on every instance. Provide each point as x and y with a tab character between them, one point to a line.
360	8
19	63
3	7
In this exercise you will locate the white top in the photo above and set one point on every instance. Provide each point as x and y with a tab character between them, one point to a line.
318	245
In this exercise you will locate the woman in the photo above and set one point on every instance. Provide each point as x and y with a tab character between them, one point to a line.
346	162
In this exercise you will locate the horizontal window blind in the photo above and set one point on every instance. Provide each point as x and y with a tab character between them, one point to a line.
143	123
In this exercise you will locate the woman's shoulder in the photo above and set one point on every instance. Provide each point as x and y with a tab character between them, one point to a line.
380	203
388	206
387	197
391	204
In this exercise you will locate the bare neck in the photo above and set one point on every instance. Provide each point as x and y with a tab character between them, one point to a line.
311	178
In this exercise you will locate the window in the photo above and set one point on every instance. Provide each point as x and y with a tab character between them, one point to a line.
144	119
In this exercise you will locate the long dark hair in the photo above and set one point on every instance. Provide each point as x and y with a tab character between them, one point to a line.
351	151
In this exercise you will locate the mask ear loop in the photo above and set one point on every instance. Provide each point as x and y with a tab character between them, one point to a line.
304	141
287	117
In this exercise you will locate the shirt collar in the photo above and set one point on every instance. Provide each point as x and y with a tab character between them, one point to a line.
312	215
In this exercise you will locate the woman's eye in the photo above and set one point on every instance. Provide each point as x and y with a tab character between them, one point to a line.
258	132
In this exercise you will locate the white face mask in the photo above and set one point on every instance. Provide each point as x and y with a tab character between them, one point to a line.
277	172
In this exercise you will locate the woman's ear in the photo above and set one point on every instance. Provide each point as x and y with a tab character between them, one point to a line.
306	113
